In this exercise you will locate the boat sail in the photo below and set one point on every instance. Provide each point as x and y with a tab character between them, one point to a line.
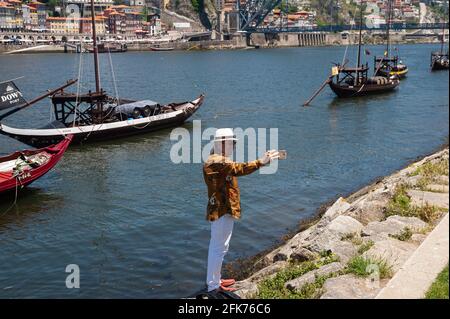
97	116
388	65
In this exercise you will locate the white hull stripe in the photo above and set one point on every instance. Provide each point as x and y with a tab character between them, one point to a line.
90	128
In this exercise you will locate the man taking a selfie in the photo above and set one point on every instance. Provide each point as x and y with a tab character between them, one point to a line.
220	174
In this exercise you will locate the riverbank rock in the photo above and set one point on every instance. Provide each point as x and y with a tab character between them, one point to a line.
371	207
338	208
442	179
437	188
246	289
310	277
393	226
284	252
268	271
330	237
350	287
393	251
420	198
302	254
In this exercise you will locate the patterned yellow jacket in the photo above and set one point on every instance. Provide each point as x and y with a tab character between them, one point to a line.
220	175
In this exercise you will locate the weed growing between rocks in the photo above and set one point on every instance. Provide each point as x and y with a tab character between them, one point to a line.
429	173
365	247
400	204
404	235
274	288
362	266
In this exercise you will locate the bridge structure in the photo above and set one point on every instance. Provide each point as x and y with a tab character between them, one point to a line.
251	14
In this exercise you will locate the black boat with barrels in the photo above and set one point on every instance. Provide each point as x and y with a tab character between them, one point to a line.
439	61
353	82
95	115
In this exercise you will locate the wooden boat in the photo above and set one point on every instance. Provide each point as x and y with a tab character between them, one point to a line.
353	82
390	66
439	59
348	82
161	49
22	168
387	65
144	116
97	116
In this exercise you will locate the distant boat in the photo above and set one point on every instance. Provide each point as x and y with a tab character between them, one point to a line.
439	59
161	49
387	65
22	168
352	82
348	82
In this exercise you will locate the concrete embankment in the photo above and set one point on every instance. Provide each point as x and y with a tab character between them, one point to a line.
393	233
240	41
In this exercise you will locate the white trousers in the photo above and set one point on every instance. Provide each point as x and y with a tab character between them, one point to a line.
221	231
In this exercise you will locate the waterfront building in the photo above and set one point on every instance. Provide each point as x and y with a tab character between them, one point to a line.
84	6
41	13
7	13
122	19
70	25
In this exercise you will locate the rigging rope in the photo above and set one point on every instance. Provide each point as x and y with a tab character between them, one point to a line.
80	74
351	29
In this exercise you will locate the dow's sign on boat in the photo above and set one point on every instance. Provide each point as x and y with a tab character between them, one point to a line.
10	95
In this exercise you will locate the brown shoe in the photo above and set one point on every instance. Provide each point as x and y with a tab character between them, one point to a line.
227	282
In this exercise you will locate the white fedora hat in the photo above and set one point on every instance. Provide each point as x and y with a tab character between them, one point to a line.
224	134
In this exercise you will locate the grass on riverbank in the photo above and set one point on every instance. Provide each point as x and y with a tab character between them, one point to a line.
429	173
400	204
274	288
439	289
362	266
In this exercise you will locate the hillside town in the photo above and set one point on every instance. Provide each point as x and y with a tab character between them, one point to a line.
139	17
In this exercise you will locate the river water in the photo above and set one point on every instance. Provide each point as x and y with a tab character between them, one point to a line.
134	222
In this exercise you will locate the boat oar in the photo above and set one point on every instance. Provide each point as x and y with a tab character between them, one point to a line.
318	91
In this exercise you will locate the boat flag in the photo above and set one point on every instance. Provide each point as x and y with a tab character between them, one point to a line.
10	95
334	71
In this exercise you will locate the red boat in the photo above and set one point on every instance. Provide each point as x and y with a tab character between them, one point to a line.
22	168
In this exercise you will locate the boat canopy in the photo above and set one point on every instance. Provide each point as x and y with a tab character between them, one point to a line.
10	95
129	107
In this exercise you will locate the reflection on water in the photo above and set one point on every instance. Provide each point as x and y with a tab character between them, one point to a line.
134	222
31	202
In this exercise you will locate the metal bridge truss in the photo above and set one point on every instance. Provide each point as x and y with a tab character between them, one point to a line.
253	12
341	28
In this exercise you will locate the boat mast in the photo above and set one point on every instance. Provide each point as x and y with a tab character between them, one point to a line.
388	26
359	44
443	37
95	49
